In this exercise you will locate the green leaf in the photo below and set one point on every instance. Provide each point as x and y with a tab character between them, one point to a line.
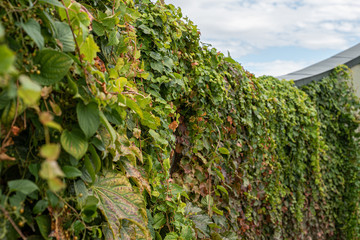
44	224
108	127
113	40
34	169
52	198
186	233
171	236
74	143
24	186
53	2
64	35
78	227
157	137
222	189
40	206
95	157
201	222
90	168
223	150
157	66
166	164
89	49
81	193
71	172
150	120
2	31
33	29
98	28
89	118
134	106
119	200
90	207
54	66
159	221
29	91
7	59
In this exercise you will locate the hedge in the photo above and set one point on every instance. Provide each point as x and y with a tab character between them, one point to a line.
118	123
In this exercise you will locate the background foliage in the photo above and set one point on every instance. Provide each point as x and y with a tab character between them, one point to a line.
117	123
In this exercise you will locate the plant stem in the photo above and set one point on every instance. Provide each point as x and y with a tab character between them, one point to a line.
6	213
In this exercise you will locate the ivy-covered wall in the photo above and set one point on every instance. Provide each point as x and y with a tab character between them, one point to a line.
117	123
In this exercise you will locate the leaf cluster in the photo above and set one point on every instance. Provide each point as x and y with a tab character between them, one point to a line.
118	123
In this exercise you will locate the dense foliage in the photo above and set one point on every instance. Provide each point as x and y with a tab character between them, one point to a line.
117	123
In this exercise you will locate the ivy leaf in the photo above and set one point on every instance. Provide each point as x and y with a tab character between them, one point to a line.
157	66
157	137
54	66
201	222
24	186
150	120
74	143
134	106
89	118
119	200
33	29
89	49
64	35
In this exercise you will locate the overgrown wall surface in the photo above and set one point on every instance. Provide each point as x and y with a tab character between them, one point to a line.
122	125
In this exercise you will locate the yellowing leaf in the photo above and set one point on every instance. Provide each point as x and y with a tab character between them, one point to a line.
119	200
89	49
50	170
74	143
29	91
135	174
7	58
50	151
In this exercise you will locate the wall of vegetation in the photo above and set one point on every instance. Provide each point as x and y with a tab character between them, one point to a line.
117	123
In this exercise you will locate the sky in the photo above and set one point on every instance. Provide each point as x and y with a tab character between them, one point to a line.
275	37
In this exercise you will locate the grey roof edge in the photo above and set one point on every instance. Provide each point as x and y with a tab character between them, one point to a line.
303	77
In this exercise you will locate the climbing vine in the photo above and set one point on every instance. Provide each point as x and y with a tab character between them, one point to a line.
118	123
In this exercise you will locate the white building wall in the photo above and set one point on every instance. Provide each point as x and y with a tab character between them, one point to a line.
356	79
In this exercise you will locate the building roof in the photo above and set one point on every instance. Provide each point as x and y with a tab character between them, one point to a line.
318	71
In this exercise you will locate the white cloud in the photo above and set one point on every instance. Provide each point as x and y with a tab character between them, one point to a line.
244	25
274	68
